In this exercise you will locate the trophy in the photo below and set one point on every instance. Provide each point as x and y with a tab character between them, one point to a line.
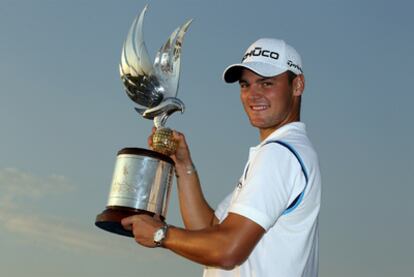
142	178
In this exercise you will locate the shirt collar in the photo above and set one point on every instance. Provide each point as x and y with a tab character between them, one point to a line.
280	133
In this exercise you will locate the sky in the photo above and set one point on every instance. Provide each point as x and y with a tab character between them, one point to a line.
64	115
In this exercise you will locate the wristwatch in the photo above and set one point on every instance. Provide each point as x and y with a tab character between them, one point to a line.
160	235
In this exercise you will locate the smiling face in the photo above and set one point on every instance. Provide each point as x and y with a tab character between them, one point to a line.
270	102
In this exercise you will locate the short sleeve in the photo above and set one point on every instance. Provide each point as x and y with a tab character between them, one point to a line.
267	189
221	211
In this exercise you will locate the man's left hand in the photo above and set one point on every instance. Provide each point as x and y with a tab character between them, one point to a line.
143	227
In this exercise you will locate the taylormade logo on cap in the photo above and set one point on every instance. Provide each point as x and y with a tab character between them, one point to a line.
267	57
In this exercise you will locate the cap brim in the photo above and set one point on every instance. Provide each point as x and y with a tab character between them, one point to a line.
233	72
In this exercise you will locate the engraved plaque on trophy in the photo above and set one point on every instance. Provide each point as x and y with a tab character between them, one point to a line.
142	178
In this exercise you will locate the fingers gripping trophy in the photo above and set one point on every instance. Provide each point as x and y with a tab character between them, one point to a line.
142	178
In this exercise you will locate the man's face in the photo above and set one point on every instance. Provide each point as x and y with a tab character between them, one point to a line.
269	102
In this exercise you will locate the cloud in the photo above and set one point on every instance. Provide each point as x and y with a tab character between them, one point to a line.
16	182
19	218
18	186
52	231
55	232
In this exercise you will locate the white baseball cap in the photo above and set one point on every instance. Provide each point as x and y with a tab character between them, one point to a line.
266	57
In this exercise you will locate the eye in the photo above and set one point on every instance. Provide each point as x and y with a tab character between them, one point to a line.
267	84
243	85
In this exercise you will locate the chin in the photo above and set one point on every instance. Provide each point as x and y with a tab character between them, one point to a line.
257	124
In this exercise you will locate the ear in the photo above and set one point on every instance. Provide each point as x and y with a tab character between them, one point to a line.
298	85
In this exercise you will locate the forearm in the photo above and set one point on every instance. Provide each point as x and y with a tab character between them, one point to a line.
210	246
223	245
195	211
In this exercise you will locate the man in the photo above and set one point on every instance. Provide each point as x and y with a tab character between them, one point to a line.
269	225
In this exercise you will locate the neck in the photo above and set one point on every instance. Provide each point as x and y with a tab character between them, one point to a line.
264	133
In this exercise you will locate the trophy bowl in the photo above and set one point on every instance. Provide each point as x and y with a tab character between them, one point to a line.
141	184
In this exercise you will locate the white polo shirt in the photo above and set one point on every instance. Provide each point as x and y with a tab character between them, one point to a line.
271	182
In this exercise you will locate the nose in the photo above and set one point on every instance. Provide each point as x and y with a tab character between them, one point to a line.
255	91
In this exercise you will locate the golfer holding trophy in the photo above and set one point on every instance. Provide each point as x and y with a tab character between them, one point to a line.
142	178
268	225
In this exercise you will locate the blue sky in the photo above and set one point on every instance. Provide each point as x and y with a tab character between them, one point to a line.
64	115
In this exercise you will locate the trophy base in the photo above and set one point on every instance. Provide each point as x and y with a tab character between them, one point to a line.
110	219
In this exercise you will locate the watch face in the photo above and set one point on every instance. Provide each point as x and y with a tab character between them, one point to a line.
159	235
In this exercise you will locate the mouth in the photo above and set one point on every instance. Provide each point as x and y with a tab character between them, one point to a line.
259	107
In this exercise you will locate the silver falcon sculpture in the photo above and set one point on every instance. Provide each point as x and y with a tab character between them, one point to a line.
154	86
